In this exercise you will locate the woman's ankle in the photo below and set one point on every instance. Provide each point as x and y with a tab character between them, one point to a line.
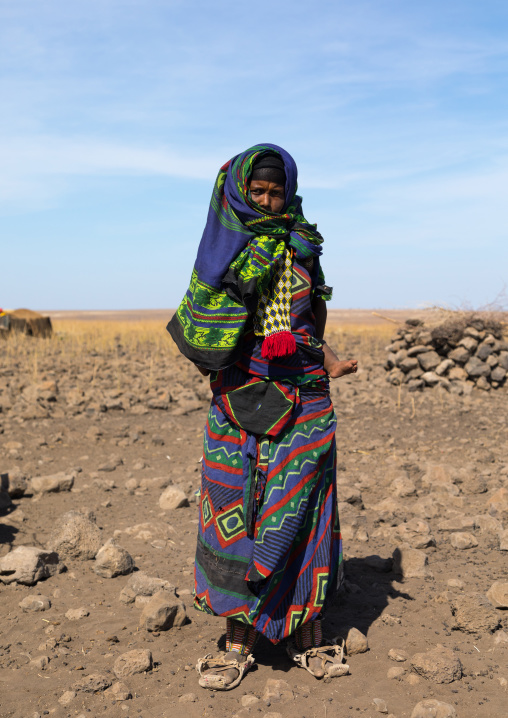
310	635
239	637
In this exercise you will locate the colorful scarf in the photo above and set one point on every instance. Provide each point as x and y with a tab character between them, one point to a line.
273	315
240	253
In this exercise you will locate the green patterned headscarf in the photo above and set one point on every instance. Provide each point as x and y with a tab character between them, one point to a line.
238	255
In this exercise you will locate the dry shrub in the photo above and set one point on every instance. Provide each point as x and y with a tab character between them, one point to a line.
448	323
450	331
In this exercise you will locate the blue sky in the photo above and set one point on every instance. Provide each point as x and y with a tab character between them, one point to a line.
115	117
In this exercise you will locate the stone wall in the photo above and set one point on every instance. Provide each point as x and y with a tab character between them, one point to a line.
458	354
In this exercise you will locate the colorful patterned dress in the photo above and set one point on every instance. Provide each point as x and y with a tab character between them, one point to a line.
269	547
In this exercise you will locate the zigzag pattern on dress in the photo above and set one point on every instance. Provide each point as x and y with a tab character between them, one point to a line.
290	554
277	578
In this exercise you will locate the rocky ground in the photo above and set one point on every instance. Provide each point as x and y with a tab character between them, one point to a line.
100	456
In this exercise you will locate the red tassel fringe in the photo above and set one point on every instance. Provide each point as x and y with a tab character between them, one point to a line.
281	344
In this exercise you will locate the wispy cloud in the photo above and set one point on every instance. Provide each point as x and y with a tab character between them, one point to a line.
38	170
395	112
45	155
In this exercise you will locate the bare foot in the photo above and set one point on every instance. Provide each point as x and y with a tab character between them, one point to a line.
341	368
326	665
228	674
316	666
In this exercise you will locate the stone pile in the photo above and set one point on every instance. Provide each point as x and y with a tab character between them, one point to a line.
462	352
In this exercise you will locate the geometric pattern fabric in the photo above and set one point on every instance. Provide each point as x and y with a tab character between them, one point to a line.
269	549
274	307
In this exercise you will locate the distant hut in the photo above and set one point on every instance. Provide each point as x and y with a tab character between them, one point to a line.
4	323
25	321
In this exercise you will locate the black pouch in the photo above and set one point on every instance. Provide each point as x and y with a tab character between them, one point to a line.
261	407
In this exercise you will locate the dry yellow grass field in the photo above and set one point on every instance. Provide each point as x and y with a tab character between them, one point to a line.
353	332
102	330
349	332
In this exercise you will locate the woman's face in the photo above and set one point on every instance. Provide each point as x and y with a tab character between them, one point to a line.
269	195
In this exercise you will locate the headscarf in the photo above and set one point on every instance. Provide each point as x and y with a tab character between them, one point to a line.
269	168
240	250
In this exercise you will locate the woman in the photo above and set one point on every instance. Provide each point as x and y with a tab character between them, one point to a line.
269	547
